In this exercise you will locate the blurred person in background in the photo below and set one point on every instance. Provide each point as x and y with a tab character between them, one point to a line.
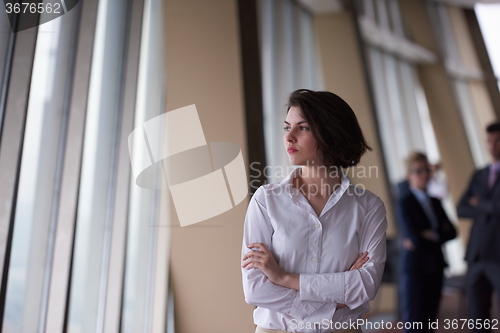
425	227
481	202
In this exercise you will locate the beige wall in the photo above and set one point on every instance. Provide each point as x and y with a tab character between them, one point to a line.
203	68
343	74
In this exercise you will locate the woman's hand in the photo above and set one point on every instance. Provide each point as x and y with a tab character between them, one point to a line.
264	260
360	261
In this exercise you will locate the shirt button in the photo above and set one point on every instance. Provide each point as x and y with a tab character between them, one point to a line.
315	259
318	225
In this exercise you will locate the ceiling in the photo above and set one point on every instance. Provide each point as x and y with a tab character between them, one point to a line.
467	3
322	6
334	6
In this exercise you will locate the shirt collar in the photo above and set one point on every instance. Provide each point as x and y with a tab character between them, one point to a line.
297	197
421	195
345	181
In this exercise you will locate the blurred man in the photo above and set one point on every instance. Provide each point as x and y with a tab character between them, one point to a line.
425	227
481	202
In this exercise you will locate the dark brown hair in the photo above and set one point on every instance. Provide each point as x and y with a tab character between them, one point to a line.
495	127
333	124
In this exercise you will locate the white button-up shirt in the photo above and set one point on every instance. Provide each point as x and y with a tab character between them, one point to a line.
321	249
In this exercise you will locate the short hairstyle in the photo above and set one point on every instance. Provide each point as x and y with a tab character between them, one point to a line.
415	156
340	140
495	127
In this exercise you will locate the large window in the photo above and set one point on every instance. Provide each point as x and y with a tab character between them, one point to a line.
146	268
465	77
401	105
35	218
487	15
6	48
402	110
289	62
81	244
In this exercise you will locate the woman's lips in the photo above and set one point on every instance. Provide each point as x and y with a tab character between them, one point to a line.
291	150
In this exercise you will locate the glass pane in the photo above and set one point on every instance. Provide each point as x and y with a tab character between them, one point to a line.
487	15
143	237
5	39
35	218
289	62
96	196
385	120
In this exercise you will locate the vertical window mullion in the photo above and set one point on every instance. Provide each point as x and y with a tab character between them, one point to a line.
117	261
7	41
90	271
290	61
63	242
146	268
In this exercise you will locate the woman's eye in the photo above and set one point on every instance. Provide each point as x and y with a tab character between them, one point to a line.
303	128
286	128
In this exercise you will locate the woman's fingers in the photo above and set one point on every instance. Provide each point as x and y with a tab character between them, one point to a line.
360	261
254	258
248	265
253	253
251	262
259	246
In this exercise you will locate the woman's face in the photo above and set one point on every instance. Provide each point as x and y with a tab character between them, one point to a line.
299	140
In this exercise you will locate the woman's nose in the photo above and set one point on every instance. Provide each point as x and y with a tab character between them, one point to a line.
289	136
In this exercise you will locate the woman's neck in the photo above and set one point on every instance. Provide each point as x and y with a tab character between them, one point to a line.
318	180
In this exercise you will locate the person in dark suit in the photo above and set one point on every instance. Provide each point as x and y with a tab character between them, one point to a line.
481	202
425	227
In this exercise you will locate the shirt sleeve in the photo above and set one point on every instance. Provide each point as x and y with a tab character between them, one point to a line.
356	287
258	289
464	208
446	229
488	206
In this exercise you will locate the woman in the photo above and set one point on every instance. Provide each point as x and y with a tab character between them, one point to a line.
302	235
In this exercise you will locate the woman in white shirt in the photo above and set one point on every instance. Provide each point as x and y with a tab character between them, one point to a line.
314	244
